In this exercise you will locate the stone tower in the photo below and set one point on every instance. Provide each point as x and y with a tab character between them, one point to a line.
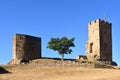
25	47
99	44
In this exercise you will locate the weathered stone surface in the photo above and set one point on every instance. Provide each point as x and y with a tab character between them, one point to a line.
59	63
99	44
68	63
25	47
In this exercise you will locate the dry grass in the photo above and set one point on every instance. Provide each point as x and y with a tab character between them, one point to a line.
25	72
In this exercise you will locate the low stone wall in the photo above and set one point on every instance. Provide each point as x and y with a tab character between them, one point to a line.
67	63
62	64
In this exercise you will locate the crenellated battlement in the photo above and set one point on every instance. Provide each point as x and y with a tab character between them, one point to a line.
99	44
99	21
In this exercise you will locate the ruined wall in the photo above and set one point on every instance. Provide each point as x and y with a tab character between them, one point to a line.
105	41
93	43
99	44
25	47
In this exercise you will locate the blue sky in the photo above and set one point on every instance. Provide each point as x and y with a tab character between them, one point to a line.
56	18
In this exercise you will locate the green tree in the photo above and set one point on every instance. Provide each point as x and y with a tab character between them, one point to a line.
62	45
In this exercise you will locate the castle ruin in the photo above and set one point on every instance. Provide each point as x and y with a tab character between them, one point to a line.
25	47
99	44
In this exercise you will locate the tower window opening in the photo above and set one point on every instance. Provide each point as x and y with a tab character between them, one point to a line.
91	47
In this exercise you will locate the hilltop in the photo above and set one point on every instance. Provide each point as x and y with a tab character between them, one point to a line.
33	71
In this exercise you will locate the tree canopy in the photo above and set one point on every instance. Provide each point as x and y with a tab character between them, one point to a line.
62	45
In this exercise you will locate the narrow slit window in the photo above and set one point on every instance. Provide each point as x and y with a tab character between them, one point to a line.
91	47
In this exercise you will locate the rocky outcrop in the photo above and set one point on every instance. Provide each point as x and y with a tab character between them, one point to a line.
2	70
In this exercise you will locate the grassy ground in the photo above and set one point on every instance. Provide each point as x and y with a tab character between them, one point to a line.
25	72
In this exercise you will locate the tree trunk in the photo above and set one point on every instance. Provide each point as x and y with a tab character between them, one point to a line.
62	59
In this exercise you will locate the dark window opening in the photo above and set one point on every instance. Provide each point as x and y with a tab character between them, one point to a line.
91	47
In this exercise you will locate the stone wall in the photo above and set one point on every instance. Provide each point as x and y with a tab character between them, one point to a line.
67	63
105	41
59	63
25	47
99	44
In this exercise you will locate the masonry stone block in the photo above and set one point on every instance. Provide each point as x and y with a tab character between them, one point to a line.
99	44
25	47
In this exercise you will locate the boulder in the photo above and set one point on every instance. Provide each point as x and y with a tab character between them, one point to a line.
2	70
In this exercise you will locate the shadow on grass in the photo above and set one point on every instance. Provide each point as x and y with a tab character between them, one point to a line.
3	71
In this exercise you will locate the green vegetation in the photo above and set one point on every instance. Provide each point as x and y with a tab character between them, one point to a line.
62	45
